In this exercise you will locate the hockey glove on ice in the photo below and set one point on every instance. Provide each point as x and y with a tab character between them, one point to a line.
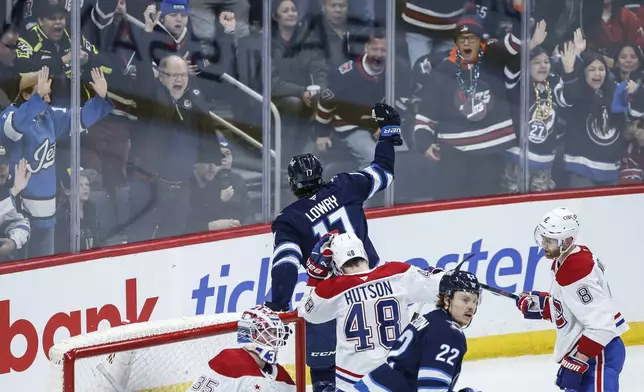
319	263
388	120
570	373
534	305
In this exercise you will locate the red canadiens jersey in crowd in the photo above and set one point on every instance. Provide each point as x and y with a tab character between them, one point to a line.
617	30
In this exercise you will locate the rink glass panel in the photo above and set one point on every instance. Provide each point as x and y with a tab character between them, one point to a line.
127	205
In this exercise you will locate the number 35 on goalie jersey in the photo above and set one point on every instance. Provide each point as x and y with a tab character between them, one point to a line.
235	370
427	356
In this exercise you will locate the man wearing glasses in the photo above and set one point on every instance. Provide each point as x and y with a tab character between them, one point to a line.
173	123
464	120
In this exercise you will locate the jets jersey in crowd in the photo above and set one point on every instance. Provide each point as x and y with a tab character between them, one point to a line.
336	206
371	311
546	101
434	15
235	370
352	89
499	16
427	356
581	306
481	123
594	138
346	103
30	131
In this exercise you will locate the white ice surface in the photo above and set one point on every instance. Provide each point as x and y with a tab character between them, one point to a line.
537	373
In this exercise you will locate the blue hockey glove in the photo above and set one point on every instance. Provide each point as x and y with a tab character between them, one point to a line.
468	390
319	263
534	305
388	121
571	373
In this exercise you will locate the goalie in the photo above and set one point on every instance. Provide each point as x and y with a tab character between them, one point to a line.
252	367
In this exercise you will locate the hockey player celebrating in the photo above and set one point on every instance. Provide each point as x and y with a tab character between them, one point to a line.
429	353
369	305
322	207
588	347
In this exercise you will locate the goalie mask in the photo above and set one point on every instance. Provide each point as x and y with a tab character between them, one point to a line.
345	247
260	330
561	226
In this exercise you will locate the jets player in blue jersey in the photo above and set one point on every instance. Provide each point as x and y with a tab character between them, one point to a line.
321	208
429	353
30	128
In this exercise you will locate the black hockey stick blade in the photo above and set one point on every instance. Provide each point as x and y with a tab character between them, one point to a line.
499	291
458	267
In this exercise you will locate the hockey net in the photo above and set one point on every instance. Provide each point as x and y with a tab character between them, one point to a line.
167	355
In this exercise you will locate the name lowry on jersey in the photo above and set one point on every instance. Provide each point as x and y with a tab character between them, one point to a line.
370	291
324	207
44	156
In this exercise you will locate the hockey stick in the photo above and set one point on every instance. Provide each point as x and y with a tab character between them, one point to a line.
458	266
489	288
499	292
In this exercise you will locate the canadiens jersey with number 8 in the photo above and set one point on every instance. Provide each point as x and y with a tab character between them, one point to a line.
371	311
581	306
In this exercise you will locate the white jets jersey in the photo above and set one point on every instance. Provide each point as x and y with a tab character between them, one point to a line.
235	370
371	311
581	306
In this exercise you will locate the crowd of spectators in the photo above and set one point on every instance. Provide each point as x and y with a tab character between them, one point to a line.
156	162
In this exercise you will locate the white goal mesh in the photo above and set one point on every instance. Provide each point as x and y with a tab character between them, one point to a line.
165	356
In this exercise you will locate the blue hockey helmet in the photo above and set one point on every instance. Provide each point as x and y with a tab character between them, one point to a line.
305	174
457	280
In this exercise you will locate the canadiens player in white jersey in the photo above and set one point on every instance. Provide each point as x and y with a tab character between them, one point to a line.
588	347
251	367
370	305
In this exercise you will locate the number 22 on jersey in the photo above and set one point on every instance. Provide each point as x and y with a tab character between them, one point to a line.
385	313
338	220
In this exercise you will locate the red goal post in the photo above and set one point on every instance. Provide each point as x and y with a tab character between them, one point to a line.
168	354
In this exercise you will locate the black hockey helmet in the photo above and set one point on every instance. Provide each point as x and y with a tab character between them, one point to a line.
305	174
457	280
